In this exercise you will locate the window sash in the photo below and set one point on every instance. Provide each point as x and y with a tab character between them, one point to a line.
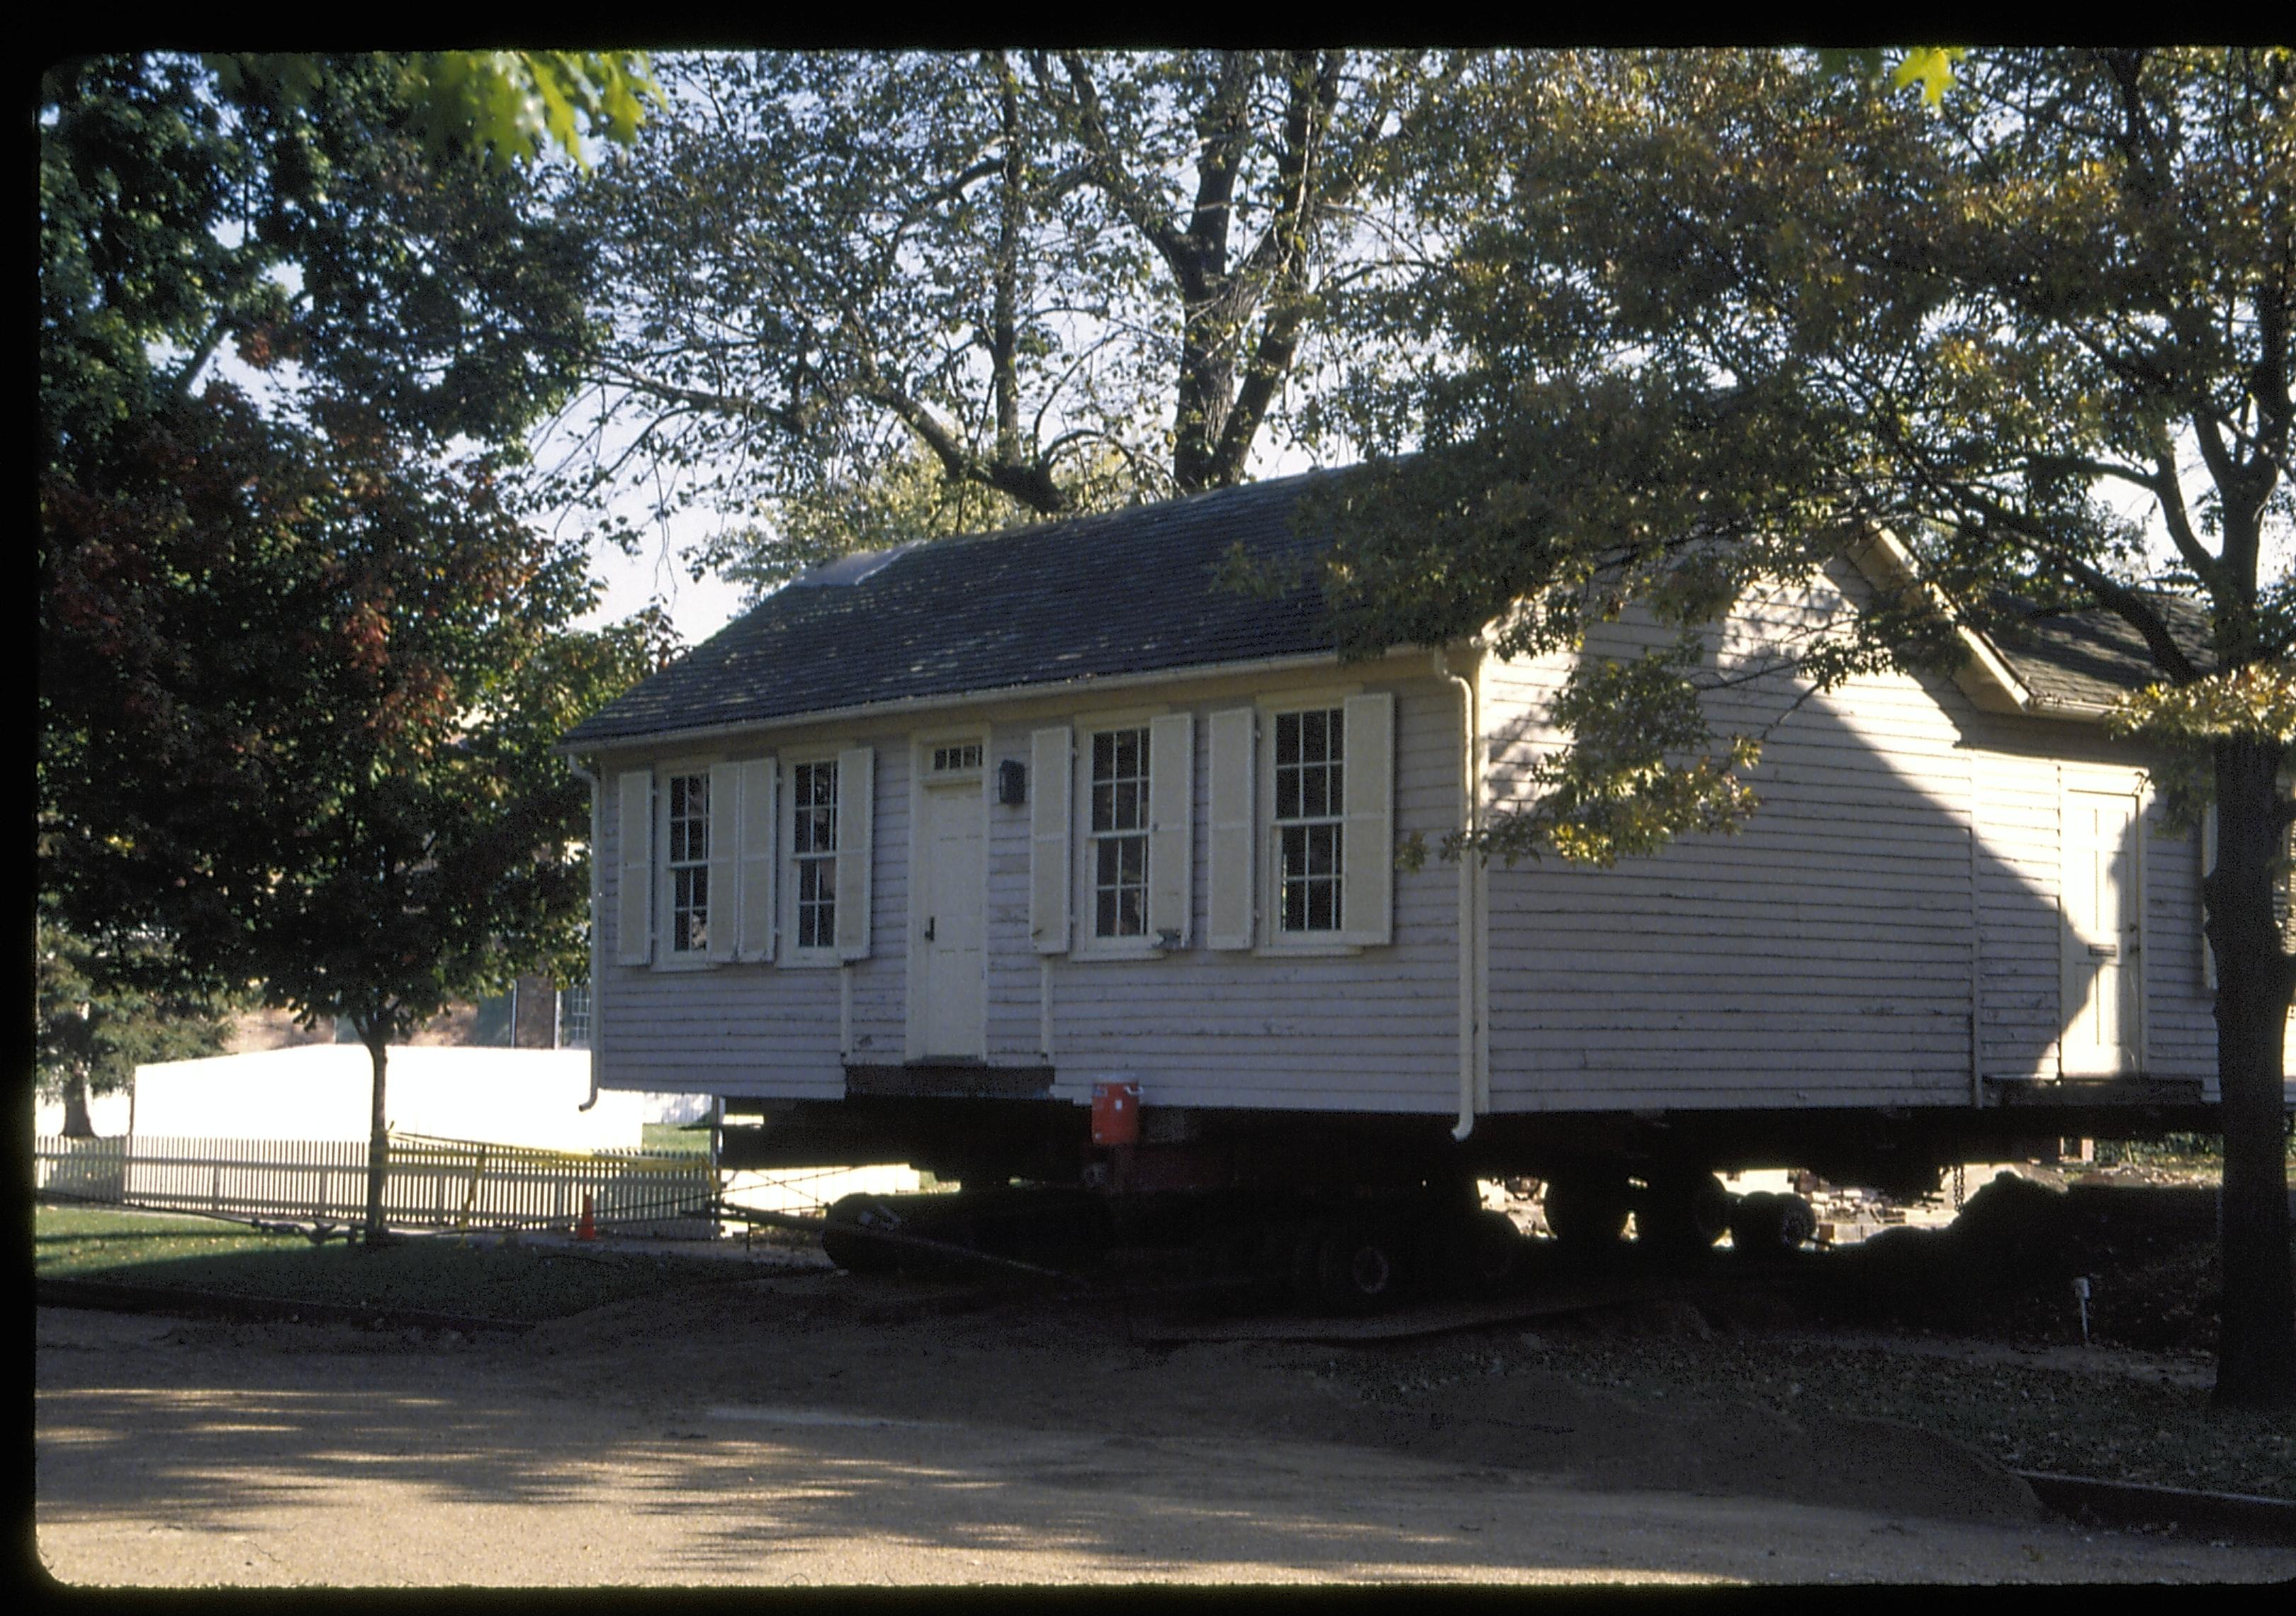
688	863
1120	764
813	842
1310	789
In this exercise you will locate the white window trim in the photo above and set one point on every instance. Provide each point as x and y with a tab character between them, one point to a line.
792	956
1273	939
1085	944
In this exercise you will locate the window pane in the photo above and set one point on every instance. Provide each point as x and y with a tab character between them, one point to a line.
1321	904
1313	802
1337	720
1287	737
1103	808
1287	793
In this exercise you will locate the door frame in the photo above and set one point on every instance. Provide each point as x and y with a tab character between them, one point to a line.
2107	781
923	785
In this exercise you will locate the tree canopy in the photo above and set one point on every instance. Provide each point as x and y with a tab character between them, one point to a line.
303	660
1059	279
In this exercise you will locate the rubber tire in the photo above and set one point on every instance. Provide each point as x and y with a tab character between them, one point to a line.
862	1256
1766	1226
1484	1254
1586	1210
1363	1266
1683	1213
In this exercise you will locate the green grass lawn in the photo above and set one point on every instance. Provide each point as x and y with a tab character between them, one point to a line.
676	1136
439	1274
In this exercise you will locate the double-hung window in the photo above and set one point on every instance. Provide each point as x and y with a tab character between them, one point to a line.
688	863
813	845
1310	816
1302	810
1120	833
694	865
1128	852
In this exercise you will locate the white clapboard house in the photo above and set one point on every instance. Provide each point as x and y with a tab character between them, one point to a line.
936	840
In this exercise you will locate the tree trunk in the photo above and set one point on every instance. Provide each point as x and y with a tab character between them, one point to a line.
378	1142
2256	1343
77	1123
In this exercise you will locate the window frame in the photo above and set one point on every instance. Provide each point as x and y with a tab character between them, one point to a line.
1270	938
794	951
663	902
1136	834
1085	943
672	866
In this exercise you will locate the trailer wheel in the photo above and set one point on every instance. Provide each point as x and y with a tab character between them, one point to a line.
1363	1266
857	1254
1483	1254
1292	1258
1586	1209
1684	1212
1766	1225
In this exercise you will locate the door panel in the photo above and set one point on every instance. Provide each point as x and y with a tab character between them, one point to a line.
2100	934
950	962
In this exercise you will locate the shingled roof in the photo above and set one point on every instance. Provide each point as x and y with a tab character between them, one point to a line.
1126	591
2088	658
1130	591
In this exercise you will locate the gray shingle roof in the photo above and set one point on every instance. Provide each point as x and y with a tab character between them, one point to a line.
2086	659
1130	591
1127	592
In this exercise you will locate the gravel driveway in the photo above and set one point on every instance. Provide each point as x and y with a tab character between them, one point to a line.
816	1429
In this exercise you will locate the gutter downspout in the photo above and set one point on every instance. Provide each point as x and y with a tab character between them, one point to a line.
1470	913
591	780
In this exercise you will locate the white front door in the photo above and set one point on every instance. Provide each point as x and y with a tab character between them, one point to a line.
947	973
2100	934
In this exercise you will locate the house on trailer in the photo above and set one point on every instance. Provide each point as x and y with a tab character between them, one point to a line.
911	859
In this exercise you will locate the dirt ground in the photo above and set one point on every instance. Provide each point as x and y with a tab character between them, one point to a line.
813	1427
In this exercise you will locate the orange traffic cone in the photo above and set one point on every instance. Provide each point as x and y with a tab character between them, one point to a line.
587	1229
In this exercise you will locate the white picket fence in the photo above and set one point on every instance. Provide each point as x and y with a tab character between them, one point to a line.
428	1183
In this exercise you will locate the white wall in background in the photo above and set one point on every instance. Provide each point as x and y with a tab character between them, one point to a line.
321	1091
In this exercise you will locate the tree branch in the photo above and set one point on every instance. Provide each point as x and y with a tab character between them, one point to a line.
1091	129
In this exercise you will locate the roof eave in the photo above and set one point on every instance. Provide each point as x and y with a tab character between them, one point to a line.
902	707
1986	676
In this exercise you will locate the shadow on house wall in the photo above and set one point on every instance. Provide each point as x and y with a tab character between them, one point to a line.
1823	953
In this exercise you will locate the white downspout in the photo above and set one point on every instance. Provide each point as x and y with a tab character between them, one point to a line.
1470	917
597	998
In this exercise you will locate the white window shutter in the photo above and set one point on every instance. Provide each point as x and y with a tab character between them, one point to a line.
755	940
1367	843
856	798
1171	800
1234	739
634	892
1051	753
724	862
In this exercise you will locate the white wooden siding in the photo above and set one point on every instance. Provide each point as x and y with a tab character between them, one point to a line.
1373	1027
1822	954
1820	957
